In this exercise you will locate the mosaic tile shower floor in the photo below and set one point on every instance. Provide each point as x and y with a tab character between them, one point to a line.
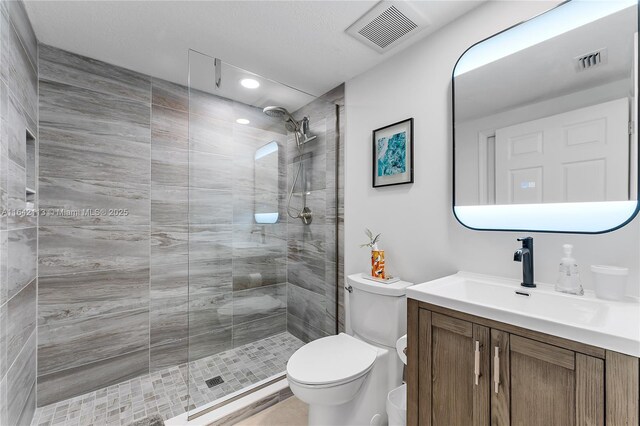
166	392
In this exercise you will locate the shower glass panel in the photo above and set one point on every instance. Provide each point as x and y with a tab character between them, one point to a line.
262	282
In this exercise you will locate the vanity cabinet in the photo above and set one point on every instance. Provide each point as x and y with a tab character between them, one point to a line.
467	370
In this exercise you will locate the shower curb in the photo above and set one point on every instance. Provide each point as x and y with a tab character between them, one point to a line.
237	406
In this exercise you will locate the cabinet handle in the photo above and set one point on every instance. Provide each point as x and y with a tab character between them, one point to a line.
476	367
496	369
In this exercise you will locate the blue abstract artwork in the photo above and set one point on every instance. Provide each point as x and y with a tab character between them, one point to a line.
392	154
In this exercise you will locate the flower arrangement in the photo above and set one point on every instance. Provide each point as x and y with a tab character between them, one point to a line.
377	255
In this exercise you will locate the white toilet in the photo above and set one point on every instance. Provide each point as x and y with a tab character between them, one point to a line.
345	379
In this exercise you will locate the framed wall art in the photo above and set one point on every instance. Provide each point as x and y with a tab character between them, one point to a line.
393	154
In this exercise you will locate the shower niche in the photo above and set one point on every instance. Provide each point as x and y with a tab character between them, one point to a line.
30	169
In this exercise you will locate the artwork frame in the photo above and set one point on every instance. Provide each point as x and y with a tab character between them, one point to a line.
392	162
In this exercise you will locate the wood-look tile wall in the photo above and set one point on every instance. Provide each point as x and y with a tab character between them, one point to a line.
118	291
315	266
93	295
18	232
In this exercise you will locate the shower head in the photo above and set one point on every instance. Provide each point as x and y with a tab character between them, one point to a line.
276	112
280	112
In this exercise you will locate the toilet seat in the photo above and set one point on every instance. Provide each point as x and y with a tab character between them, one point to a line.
331	361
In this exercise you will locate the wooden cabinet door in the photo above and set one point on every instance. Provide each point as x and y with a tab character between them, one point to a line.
622	389
552	386
500	379
454	373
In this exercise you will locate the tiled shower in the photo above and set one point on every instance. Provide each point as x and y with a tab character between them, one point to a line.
146	264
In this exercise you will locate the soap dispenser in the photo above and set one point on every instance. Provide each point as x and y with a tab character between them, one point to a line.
568	276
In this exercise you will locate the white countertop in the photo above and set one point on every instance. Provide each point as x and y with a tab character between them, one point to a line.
607	324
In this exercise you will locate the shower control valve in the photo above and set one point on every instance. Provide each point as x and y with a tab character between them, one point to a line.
306	216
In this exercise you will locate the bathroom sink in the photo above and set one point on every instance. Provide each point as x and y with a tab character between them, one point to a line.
609	324
507	296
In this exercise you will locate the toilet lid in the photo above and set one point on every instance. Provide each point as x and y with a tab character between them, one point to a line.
331	359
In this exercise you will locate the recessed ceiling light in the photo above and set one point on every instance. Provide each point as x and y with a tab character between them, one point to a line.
242	121
250	83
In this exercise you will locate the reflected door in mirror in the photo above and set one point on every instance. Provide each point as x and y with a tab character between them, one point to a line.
570	157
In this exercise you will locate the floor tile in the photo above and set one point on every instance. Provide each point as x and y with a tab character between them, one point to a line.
167	392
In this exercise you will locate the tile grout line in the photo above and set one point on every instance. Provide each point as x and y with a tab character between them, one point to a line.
23	43
189	114
22	349
10	90
24	286
37	177
149	304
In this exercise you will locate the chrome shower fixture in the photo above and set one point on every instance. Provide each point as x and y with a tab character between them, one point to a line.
280	112
304	131
277	112
299	128
300	131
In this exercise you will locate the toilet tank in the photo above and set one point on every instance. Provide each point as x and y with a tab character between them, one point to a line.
378	311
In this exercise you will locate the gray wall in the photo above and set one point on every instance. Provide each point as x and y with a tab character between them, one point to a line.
312	271
187	272
93	298
18	233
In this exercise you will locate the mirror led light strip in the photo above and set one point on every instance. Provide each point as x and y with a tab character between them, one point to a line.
544	27
592	217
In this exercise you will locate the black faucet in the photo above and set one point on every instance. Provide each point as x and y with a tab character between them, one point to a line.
525	255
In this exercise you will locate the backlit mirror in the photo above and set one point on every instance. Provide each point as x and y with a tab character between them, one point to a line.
545	122
265	183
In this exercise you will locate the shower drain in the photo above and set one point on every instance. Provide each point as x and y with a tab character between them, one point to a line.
214	382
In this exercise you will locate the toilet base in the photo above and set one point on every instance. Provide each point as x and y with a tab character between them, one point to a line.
343	415
369	405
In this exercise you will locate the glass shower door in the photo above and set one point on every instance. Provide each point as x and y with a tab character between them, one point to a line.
246	317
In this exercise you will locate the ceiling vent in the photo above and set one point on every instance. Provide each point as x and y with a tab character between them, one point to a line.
591	60
387	25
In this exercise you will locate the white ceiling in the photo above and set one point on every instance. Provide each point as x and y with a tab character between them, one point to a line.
299	43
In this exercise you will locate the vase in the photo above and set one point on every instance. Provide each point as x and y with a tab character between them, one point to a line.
377	264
